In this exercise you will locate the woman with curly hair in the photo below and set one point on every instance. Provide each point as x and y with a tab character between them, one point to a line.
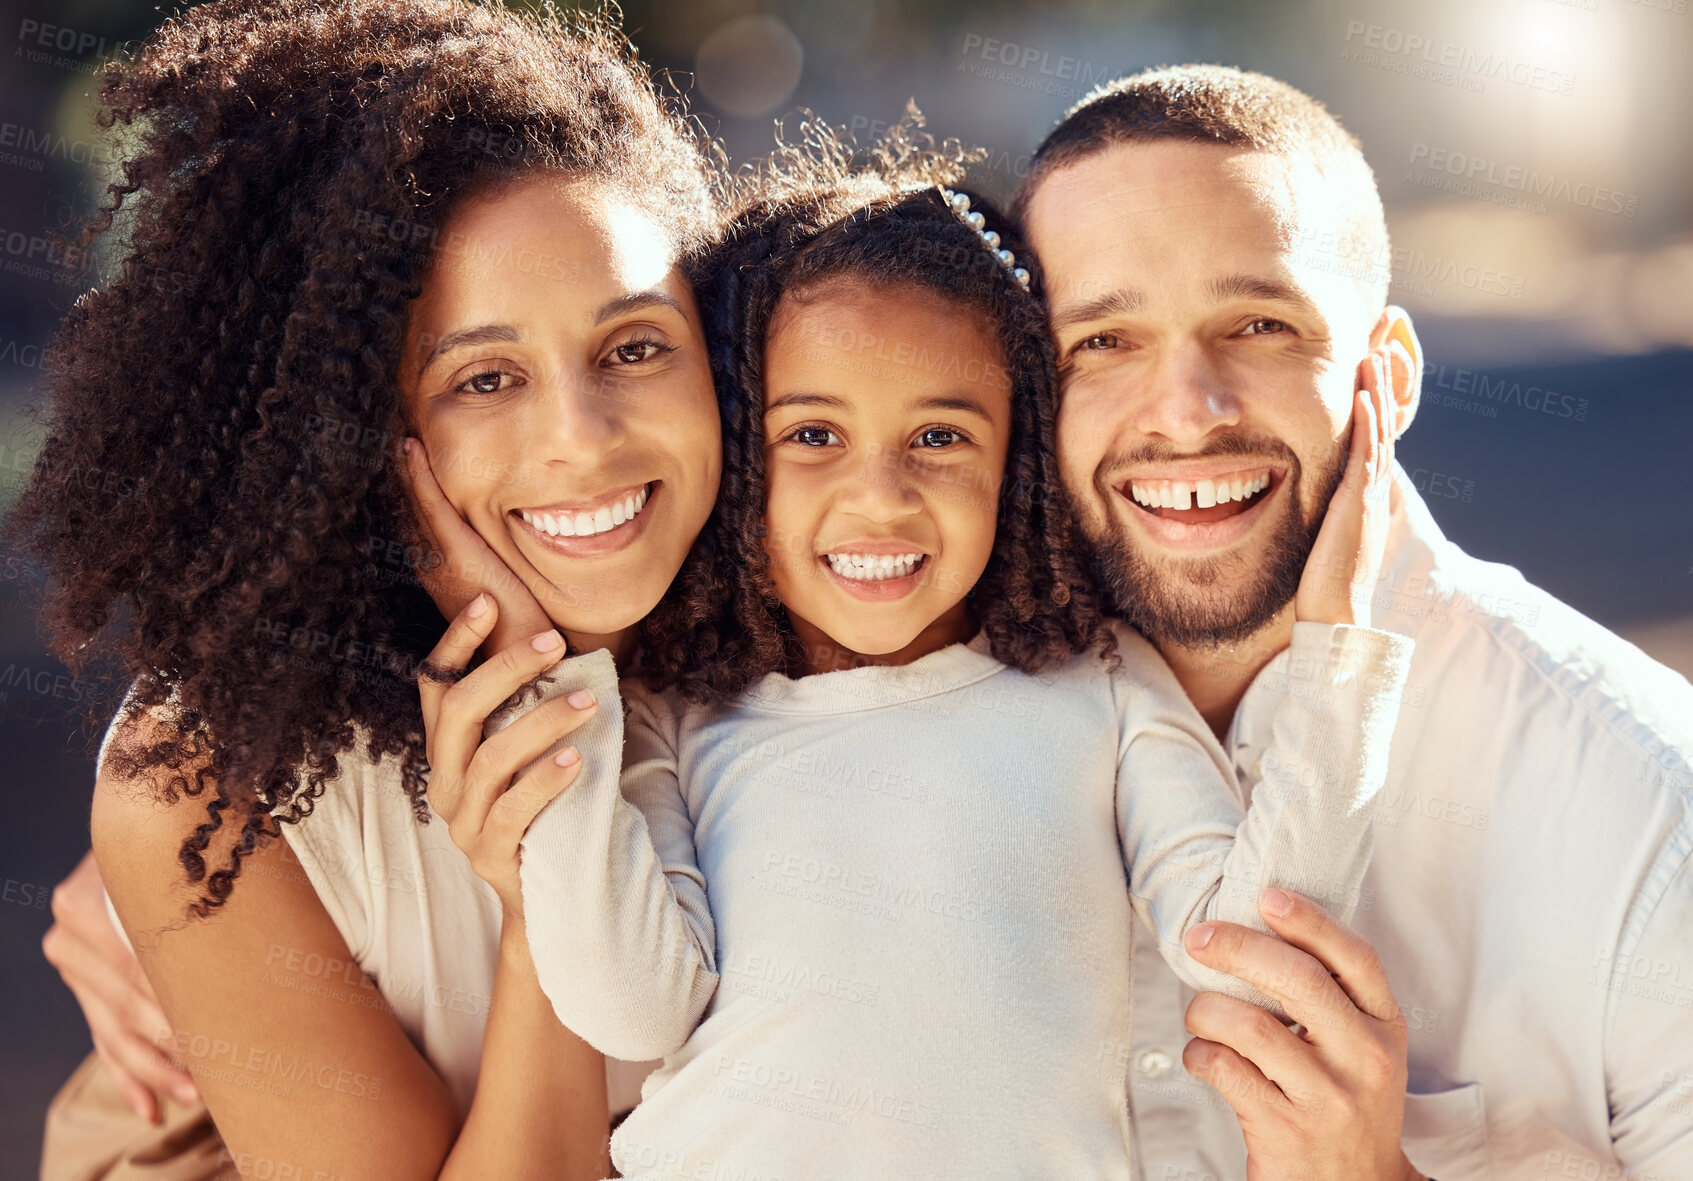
340	226
893	789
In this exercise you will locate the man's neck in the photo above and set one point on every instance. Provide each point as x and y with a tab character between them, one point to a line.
1217	677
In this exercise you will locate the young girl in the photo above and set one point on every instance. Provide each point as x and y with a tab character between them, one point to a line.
870	884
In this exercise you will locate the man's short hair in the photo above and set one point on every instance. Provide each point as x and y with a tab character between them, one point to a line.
1235	108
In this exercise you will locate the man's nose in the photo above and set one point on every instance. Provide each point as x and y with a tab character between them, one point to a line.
1188	397
878	488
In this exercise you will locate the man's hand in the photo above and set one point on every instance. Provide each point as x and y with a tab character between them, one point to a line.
1324	1104
122	1013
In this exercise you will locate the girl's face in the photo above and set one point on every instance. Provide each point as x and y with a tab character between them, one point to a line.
556	374
887	416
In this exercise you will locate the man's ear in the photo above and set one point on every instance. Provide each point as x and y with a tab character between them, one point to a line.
1395	336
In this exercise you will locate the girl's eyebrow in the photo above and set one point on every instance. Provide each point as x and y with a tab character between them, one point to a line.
961	402
804	399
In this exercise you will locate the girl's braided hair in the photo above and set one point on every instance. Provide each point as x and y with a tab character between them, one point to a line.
817	215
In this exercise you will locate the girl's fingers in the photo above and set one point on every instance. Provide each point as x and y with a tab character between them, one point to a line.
452	654
498	760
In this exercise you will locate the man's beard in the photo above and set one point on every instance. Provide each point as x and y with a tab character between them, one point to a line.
1190	603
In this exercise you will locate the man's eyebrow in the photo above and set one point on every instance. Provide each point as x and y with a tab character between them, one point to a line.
961	402
805	399
481	334
1123	301
634	302
1228	288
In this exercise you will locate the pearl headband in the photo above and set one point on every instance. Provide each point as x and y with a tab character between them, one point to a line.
959	203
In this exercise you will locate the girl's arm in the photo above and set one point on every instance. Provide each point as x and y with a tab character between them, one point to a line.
305	1080
620	928
1309	827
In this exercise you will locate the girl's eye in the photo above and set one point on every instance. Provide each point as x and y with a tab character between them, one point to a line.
1263	326
491	382
812	436
939	436
1099	341
635	351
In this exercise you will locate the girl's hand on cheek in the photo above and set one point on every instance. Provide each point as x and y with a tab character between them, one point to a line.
475	785
1341	574
468	565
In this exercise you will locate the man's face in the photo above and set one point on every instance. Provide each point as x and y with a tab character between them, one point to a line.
1209	351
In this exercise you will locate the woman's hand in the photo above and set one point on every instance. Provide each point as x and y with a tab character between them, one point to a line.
471	781
1341	573
468	566
1325	1104
118	1003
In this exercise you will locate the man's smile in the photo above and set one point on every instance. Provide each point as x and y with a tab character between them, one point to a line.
1195	511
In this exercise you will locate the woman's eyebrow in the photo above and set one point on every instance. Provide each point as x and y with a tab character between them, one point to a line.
634	302
481	334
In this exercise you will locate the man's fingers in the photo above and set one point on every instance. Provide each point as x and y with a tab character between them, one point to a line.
142	1101
1292	976
453	653
1241	1084
1344	954
1254	1034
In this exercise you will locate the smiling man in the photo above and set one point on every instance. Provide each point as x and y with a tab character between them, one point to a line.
1215	253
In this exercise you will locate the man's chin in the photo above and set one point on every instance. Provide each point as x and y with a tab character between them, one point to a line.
1201	603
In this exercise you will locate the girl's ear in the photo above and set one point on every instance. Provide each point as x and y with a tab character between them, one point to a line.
1396	338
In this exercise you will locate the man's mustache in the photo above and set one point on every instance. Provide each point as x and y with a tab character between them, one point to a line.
1232	445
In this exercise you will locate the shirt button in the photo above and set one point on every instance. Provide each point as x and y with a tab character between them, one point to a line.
1154	1063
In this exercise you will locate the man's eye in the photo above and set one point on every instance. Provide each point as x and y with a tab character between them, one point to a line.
491	382
813	436
939	436
1263	326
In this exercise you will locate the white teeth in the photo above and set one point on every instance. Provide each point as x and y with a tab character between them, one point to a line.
1182	495
601	520
873	567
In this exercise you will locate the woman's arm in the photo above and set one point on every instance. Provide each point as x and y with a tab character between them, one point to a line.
313	1082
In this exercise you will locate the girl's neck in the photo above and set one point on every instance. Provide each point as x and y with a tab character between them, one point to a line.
822	654
621	643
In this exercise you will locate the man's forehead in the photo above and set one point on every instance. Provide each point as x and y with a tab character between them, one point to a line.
1198	185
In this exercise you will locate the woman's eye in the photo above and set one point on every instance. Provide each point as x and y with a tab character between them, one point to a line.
636	351
1099	341
813	436
1263	326
491	382
939	436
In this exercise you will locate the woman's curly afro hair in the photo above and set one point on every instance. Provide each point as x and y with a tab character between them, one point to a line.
285	165
819	213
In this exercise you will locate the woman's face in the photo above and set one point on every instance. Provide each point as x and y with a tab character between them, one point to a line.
556	374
